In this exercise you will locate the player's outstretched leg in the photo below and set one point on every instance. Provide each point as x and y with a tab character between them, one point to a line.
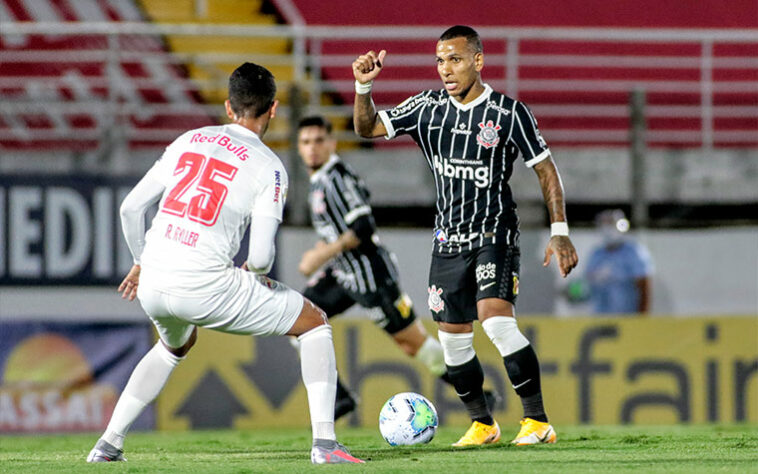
319	372
524	372
466	373
145	383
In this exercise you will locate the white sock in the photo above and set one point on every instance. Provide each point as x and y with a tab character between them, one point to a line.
430	354
319	369
458	347
145	383
505	334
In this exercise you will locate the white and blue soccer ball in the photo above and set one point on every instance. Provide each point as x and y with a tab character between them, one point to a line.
408	418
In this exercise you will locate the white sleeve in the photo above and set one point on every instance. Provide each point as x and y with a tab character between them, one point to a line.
269	202
133	209
262	240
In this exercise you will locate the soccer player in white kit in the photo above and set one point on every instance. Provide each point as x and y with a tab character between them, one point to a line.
212	183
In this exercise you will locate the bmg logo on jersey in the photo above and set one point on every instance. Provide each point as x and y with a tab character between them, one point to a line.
485	271
479	174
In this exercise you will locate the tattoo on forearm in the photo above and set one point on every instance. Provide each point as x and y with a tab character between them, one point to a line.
364	114
552	191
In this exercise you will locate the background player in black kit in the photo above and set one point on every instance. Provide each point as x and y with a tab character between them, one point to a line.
357	268
471	136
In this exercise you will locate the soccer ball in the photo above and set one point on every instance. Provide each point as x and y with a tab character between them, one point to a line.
408	418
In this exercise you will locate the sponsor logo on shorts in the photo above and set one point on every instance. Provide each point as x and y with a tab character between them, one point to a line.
485	271
404	305
435	301
487	136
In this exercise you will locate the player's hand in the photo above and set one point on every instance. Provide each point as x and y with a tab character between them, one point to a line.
565	253
368	66
128	287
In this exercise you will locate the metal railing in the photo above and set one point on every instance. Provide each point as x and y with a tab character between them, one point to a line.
121	76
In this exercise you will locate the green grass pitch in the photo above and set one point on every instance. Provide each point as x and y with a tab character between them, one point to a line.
663	449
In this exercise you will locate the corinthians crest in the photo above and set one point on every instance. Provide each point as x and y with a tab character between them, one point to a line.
435	301
487	136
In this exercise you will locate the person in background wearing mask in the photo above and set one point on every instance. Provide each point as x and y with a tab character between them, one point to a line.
619	270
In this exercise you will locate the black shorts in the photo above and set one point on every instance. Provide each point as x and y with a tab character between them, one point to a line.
458	281
396	307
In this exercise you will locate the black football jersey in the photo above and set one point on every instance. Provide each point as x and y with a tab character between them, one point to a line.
337	199
470	149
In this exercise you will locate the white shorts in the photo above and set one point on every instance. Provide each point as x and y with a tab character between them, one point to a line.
250	304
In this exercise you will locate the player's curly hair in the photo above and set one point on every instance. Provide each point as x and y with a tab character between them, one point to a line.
251	90
461	31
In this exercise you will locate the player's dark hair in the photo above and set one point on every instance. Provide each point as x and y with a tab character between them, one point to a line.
251	90
315	121
461	31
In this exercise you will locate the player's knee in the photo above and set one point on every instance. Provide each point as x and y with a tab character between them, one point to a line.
311	316
488	307
185	348
457	348
504	333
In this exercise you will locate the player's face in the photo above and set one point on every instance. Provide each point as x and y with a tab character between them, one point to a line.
458	66
315	146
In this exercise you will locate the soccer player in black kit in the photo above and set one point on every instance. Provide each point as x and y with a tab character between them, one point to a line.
471	137
348	264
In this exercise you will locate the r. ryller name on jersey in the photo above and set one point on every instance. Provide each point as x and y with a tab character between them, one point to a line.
466	169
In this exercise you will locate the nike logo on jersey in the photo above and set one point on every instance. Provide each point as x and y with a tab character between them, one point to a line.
484	287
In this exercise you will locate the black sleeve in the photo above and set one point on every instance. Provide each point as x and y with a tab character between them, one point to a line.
527	136
364	228
403	118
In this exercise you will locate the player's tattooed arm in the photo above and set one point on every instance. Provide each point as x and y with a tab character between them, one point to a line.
552	192
365	116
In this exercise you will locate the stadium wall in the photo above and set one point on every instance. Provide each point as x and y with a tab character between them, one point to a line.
594	371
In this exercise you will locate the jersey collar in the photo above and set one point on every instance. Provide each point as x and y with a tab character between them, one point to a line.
325	168
482	97
242	129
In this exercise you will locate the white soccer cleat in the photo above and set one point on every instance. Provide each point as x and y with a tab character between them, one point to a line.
105	452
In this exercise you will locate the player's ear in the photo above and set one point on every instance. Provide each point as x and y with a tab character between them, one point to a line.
272	110
479	61
229	112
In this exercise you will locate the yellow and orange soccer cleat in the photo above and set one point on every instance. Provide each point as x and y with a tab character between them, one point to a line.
534	432
479	434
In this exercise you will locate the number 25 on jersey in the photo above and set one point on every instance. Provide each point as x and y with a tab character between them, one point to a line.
207	176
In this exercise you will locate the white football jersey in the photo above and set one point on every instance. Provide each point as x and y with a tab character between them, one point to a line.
215	179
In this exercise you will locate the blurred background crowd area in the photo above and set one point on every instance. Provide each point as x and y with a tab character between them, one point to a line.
650	107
